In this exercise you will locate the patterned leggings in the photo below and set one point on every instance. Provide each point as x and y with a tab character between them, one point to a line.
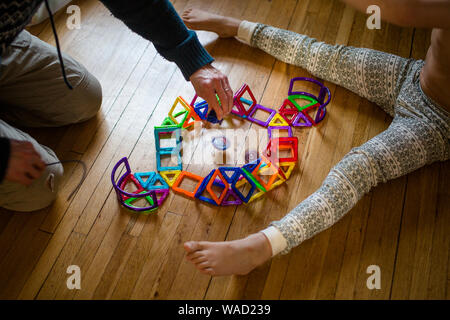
418	135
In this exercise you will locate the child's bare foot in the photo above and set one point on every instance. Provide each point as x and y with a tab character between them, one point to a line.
229	257
196	19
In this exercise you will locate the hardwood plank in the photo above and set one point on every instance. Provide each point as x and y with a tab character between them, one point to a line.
115	267
439	265
57	277
400	226
103	190
415	241
16	267
102	165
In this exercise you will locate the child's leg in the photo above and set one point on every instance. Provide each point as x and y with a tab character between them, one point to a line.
371	74
374	75
408	144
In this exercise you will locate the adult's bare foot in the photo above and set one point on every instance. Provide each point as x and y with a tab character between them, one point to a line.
229	257
197	19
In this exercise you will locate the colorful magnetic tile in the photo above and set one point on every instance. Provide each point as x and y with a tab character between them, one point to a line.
302	120
252	165
151	184
246	101
166	174
151	199
256	182
278	120
121	182
245	179
168	122
267	160
189	112
141	175
212	117
201	108
219	199
164	193
256	195
233	177
324	91
172	130
202	188
272	150
203	184
241	110
184	174
269	170
257	107
281	128
230	193
311	100
131	178
288	111
279	181
289	168
320	113
175	153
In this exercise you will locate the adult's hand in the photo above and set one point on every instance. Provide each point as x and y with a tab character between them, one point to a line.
207	82
25	164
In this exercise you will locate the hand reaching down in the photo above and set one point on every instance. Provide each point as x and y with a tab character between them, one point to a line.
207	82
25	164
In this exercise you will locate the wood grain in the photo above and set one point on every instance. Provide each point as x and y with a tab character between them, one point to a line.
401	226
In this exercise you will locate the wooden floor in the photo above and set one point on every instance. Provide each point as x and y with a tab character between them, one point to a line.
402	226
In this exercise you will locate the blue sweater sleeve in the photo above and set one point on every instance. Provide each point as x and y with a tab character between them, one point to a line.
157	21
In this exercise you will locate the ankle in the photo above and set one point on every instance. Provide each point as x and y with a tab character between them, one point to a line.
259	246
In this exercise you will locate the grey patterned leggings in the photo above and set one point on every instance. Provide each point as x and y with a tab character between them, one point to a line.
418	135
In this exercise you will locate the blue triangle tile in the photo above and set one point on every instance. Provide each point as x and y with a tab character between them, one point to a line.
252	165
151	183
201	108
141	175
224	170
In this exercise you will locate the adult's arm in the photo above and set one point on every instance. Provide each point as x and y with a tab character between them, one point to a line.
4	156
157	21
410	13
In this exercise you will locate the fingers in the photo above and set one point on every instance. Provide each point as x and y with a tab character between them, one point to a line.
229	93
35	167
211	99
223	99
207	82
25	164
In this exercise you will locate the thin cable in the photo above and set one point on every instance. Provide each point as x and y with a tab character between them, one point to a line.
57	46
82	178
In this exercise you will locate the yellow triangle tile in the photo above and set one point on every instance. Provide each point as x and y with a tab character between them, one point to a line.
290	165
278	120
165	175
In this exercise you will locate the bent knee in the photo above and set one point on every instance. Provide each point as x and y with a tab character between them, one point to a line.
39	195
87	98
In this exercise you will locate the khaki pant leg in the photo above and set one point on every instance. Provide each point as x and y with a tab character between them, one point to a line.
42	191
33	92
